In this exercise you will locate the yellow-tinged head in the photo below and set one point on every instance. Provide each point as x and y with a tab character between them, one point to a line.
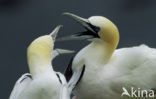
98	28
39	51
108	31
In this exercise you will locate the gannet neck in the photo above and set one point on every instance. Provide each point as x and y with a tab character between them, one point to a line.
39	55
99	51
39	67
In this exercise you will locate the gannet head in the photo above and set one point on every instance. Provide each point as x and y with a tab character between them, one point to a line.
98	28
40	50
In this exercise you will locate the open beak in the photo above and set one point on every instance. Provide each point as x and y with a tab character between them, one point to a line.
90	33
54	33
57	52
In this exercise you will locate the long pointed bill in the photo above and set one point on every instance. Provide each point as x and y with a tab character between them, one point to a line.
90	33
84	22
54	33
57	52
74	37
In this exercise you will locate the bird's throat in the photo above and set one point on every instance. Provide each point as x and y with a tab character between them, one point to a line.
38	65
100	51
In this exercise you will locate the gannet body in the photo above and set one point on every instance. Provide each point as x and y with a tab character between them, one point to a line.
42	82
100	71
109	78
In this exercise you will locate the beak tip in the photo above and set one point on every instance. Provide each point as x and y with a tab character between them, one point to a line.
65	13
59	26
55	31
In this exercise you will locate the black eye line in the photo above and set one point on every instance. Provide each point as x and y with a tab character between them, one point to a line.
93	33
95	28
88	32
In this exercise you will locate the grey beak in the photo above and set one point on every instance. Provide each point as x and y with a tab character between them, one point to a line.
90	33
84	22
54	33
57	52
73	37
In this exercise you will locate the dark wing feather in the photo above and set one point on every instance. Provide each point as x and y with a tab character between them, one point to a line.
81	75
68	72
73	77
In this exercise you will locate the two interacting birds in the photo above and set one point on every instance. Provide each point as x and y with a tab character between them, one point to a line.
98	71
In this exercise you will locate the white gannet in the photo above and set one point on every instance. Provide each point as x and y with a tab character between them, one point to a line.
100	71
42	82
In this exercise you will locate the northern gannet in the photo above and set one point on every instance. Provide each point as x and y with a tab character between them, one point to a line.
100	71
42	82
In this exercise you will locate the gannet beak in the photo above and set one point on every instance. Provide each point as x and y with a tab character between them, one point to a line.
54	33
58	52
92	31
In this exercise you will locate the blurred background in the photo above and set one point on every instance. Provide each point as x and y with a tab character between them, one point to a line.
21	21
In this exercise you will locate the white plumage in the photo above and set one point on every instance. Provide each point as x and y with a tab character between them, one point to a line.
107	69
128	67
42	82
